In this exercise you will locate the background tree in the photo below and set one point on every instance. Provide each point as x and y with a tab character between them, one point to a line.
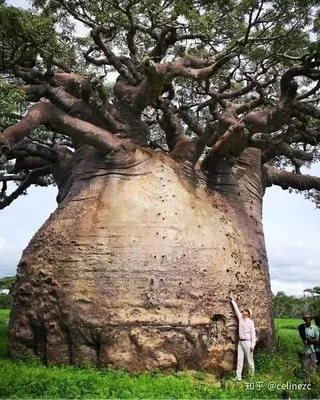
161	174
295	306
315	291
6	284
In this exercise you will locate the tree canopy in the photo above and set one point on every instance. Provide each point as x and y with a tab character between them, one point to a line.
7	282
286	306
202	80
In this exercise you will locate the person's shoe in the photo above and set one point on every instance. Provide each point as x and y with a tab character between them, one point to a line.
236	379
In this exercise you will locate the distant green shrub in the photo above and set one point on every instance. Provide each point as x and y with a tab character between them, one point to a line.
5	301
7	282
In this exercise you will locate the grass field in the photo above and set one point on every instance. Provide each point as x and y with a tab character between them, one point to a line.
30	379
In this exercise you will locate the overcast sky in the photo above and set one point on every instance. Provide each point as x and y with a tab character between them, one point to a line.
291	223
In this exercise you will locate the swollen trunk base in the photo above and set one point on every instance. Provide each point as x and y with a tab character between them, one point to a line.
134	269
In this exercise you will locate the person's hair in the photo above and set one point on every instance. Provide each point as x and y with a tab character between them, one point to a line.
248	311
285	395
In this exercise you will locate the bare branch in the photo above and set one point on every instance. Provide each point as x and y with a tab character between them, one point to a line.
193	125
277	148
233	142
32	178
76	15
112	58
77	85
180	146
71	105
307	109
60	64
167	37
29	148
7	178
171	125
287	77
25	163
239	92
309	92
289	179
131	43
47	113
160	75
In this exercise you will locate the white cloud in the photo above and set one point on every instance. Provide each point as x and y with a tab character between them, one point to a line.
287	287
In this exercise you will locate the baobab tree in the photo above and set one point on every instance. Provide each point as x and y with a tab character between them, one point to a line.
160	173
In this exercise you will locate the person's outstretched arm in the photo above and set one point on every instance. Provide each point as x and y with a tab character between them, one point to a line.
236	308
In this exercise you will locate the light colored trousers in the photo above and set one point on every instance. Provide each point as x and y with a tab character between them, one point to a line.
244	352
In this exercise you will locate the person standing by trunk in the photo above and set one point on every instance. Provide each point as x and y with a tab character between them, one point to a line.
247	340
311	340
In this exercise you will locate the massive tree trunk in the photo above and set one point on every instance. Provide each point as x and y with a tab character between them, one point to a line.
134	268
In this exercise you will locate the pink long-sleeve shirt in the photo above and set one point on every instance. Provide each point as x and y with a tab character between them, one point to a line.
246	326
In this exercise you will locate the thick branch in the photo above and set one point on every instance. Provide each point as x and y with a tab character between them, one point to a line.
192	123
167	38
29	148
60	64
232	142
308	109
237	93
271	120
275	148
180	146
112	58
309	92
71	105
191	67
7	178
77	85
289	179
26	163
47	113
249	106
171	125
288	76
238	133
160	75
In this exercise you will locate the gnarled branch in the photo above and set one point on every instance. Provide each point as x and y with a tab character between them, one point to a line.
287	180
171	125
47	113
111	57
32	178
274	148
160	75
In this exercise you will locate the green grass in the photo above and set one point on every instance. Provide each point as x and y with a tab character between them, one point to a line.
288	323
30	379
289	342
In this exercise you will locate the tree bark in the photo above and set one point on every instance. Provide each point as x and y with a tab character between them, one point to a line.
134	268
